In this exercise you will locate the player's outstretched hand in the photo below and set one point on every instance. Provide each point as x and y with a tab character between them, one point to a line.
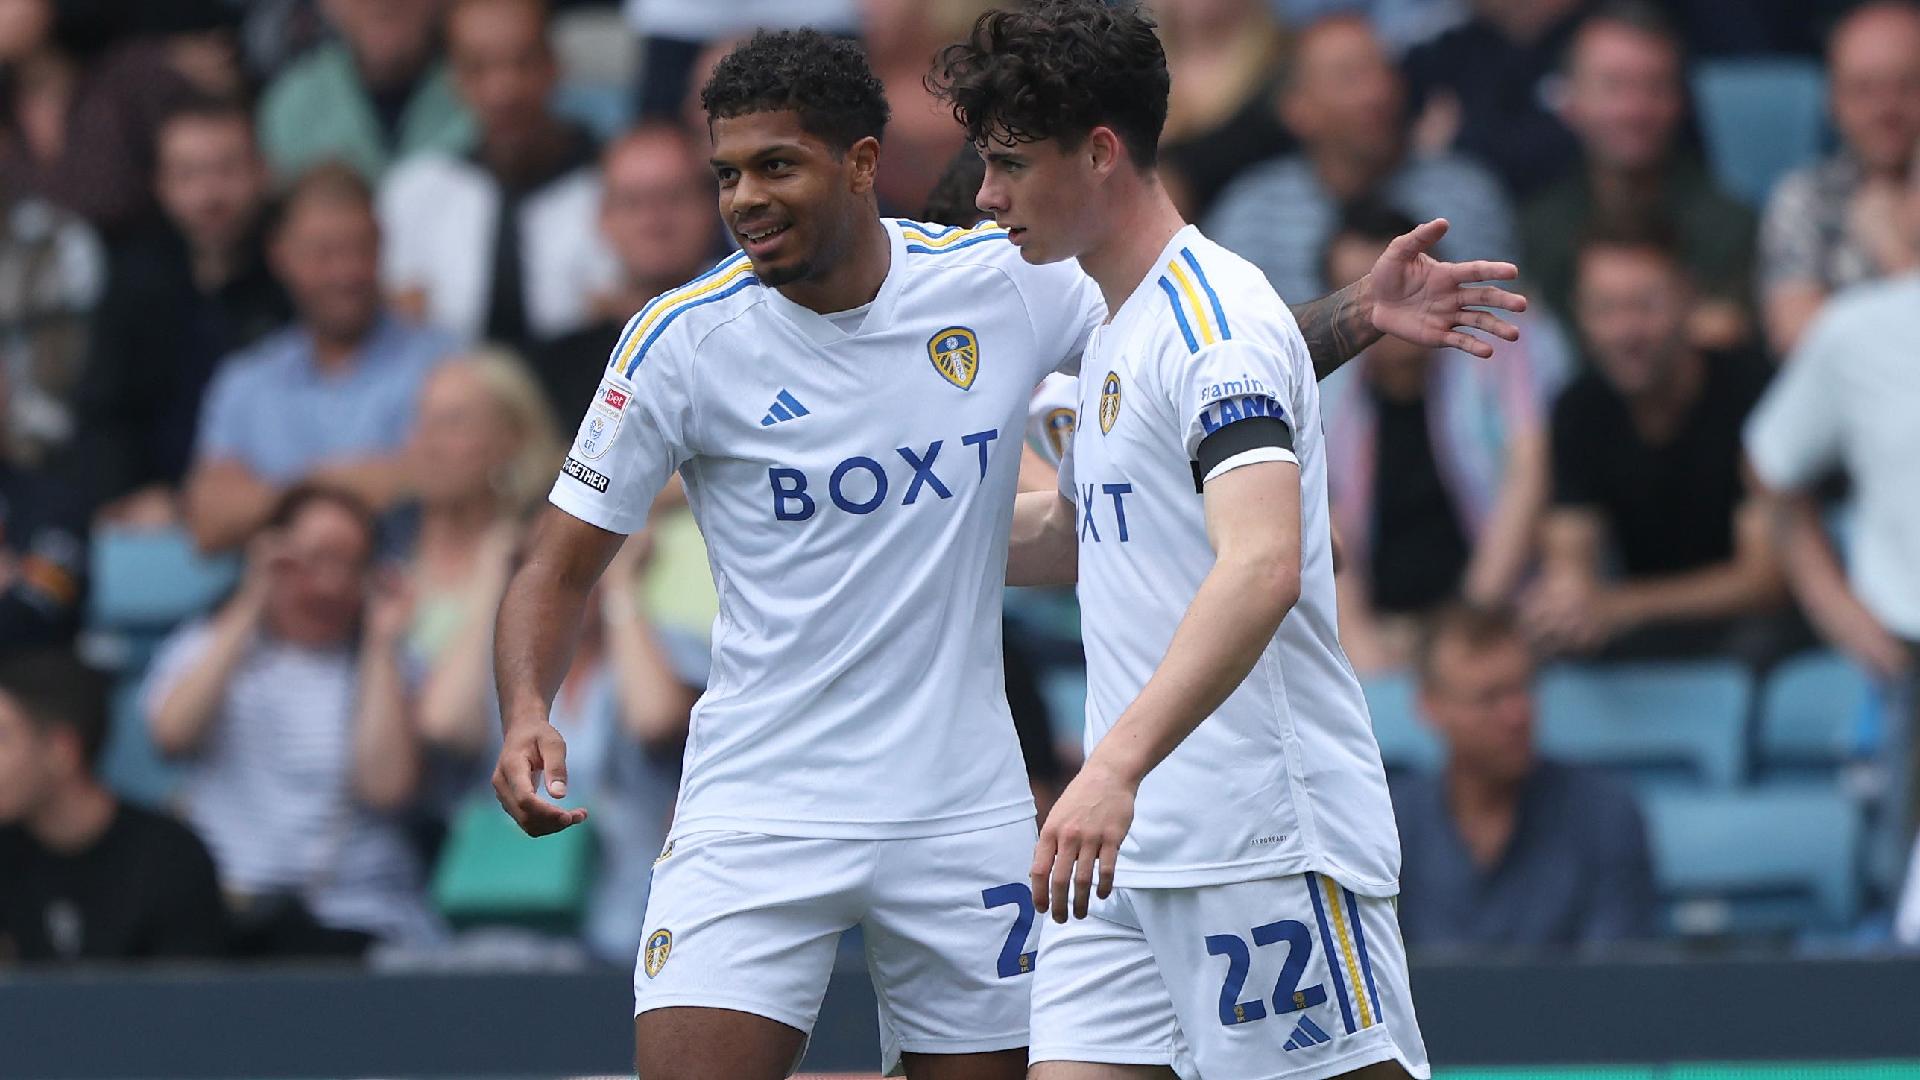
1423	300
532	749
1084	829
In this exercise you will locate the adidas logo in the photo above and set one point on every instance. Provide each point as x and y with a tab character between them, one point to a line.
785	407
1306	1033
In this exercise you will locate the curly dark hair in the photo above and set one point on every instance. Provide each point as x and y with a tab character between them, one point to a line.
1057	69
951	202
823	78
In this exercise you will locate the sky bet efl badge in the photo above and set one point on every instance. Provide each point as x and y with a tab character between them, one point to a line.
1109	402
603	420
659	947
955	353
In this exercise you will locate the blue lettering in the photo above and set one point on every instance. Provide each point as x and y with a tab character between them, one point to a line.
1206	421
1228	413
1119	491
982	438
879	485
923	473
793	490
1086	514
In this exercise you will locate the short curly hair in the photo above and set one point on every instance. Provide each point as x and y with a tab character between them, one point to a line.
823	78
1057	69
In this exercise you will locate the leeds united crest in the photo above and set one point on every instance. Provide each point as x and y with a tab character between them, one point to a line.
1109	402
955	353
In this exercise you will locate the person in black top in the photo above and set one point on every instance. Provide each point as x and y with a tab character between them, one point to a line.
43	548
1647	467
185	293
656	213
84	876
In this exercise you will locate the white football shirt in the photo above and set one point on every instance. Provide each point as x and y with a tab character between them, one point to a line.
855	491
1050	416
1285	777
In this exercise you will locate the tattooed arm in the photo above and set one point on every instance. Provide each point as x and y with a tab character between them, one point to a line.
1410	295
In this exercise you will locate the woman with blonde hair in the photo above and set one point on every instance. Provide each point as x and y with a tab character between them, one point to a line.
1225	58
483	453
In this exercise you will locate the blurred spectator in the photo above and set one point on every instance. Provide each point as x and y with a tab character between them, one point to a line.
1849	397
51	272
1647	468
329	398
84	876
1626	99
291	708
657	217
186	292
900	36
673	33
1831	225
1486	89
1346	104
484	452
1437	466
378	95
1504	848
500	245
43	550
79	130
1225	58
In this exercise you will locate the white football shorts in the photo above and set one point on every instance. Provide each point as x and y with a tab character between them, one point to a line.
751	922
1288	977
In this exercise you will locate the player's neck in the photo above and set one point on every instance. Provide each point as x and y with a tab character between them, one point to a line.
855	281
1140	223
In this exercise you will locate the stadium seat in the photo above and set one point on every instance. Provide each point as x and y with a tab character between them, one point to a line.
1762	116
130	765
1405	741
600	107
1767	860
1660	723
150	580
1817	713
491	873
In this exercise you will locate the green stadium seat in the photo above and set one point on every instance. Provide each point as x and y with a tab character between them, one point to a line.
1405	741
1659	723
150	580
1818	712
1762	117
490	873
1779	859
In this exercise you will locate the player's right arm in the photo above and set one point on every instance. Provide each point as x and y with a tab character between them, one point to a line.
533	646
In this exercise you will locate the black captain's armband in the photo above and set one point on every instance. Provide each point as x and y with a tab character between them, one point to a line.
1253	433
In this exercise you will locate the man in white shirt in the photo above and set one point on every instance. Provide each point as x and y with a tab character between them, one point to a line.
843	400
1233	790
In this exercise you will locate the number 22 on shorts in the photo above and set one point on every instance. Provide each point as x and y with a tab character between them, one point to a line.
1287	997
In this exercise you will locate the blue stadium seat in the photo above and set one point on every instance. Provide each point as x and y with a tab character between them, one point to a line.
130	765
1064	689
1779	859
1817	713
600	107
1762	117
1658	722
1405	741
150	580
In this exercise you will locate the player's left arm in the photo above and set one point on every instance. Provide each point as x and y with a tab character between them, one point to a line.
1253	523
1410	294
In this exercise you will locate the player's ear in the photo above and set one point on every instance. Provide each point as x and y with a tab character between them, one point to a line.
863	162
1103	150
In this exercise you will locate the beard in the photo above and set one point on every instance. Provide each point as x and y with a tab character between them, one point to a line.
784	275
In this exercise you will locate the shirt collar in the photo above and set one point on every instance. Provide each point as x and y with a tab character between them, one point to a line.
819	329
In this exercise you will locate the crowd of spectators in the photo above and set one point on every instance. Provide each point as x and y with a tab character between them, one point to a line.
319	284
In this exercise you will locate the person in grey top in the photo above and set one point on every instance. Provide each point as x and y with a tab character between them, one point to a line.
1347	104
1830	224
1503	848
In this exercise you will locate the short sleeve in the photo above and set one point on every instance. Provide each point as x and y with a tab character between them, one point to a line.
1794	434
1232	381
1065	307
1790	233
633	436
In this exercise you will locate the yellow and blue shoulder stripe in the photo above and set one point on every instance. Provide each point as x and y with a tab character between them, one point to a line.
938	240
1185	283
732	274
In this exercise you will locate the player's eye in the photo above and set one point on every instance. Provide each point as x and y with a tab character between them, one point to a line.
779	165
726	176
